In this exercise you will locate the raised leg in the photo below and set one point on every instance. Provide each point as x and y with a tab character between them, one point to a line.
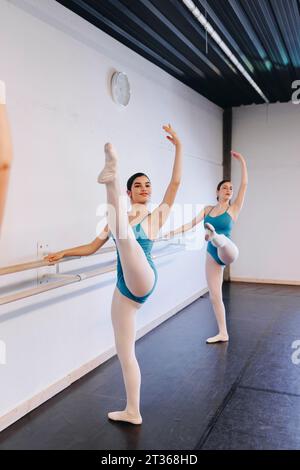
227	251
139	276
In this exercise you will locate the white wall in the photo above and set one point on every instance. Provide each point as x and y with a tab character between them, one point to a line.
268	228
57	68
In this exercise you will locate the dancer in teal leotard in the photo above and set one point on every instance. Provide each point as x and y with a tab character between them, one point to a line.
222	224
136	272
221	251
146	245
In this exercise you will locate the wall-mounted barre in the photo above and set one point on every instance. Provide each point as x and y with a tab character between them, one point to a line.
38	290
16	268
67	278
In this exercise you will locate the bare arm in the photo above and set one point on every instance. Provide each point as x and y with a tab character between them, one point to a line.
6	152
83	250
188	226
239	201
161	213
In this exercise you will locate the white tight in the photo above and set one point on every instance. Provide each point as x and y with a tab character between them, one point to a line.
227	252
138	274
123	314
139	278
214	277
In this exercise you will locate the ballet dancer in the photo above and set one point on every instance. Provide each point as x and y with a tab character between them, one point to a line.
5	151
221	251
136	272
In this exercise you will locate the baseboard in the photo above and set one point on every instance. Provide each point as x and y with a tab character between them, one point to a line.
264	281
29	405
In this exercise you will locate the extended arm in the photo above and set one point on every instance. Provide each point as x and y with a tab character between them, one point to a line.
83	250
239	201
188	226
161	213
6	152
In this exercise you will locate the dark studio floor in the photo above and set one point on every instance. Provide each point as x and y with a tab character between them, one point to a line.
240	395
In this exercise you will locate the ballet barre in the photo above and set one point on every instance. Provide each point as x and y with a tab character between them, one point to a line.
67	279
42	263
16	268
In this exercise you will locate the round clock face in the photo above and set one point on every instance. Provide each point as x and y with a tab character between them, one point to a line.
120	88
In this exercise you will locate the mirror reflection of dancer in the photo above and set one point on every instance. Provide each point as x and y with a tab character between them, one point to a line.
221	251
5	151
136	272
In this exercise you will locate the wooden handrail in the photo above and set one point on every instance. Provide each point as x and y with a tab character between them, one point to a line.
68	279
54	285
16	268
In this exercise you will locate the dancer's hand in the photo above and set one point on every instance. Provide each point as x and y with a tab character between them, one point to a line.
172	137
52	257
237	156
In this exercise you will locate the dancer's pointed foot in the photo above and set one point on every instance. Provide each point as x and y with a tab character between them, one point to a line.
109	171
125	416
2	92
217	339
209	231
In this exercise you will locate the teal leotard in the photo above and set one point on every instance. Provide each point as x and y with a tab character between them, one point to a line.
146	245
223	224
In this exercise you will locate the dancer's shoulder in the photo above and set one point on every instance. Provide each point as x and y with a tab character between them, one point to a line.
207	209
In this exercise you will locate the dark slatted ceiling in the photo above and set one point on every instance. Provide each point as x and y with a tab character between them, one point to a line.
264	35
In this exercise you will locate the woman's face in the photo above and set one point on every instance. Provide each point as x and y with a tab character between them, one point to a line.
140	192
225	192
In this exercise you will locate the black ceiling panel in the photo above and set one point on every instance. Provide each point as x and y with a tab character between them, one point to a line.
264	35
